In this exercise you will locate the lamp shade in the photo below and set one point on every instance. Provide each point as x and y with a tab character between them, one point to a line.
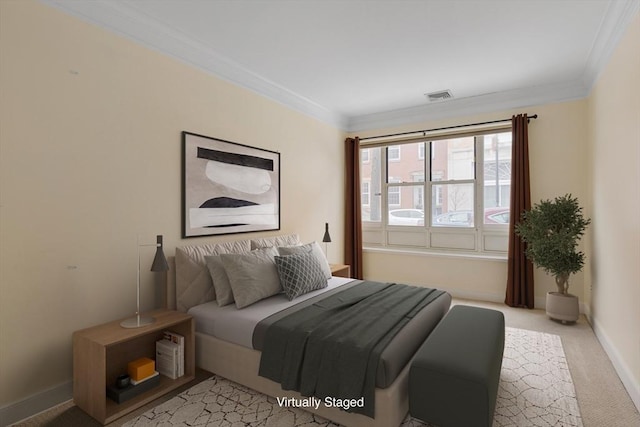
159	261
327	237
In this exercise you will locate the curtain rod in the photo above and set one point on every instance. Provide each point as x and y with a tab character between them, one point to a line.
535	116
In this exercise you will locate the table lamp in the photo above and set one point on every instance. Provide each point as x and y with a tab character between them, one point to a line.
159	264
326	239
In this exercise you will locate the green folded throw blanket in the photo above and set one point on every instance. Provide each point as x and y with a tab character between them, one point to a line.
331	349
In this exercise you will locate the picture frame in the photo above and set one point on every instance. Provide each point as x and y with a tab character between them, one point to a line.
228	188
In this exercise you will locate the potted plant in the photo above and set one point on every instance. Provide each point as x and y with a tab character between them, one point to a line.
552	230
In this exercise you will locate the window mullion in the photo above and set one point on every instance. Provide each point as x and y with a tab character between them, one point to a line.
384	177
406	184
428	188
455	181
479	167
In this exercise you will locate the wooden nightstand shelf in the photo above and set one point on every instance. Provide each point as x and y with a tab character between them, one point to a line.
340	270
101	353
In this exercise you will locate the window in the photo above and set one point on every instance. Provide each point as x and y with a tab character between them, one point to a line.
365	199
393	153
497	178
451	192
364	155
452	182
405	187
393	195
370	170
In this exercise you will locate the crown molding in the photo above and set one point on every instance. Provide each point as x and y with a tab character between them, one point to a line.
613	26
459	107
126	20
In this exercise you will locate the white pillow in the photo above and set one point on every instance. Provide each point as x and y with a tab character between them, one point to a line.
224	295
314	249
253	276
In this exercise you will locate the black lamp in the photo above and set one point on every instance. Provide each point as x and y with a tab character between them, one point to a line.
327	238
159	264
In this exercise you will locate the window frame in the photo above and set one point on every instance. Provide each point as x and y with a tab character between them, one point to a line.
394	158
395	183
480	239
363	157
366	184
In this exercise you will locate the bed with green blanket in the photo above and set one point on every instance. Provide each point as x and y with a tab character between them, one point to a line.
359	337
331	347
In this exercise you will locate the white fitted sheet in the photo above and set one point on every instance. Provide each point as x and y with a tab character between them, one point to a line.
236	325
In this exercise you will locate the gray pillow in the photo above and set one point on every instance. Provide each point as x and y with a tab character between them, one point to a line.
312	248
300	274
253	276
224	295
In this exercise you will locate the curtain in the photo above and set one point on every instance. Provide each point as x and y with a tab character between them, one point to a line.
353	208
520	269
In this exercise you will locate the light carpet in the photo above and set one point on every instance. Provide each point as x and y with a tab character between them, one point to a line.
535	390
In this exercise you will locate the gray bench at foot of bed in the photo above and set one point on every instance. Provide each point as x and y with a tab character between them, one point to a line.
453	380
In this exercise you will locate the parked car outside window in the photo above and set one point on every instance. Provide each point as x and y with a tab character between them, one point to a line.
454	219
499	215
406	217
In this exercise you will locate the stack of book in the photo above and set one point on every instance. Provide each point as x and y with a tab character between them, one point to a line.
170	355
141	370
142	377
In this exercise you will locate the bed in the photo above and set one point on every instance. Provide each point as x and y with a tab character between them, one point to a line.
226	342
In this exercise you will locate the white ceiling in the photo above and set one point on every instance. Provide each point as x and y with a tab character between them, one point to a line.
367	64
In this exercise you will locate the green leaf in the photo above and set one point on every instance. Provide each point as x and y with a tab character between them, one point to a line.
551	231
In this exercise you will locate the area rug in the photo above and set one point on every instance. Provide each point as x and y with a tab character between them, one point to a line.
535	390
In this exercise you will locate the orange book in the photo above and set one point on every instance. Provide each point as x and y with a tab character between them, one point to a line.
141	368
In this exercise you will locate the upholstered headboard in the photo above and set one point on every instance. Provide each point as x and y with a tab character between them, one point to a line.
193	282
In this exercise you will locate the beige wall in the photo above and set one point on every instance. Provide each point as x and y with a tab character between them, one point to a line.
557	149
614	159
90	158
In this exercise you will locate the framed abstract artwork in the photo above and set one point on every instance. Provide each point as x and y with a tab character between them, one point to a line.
228	187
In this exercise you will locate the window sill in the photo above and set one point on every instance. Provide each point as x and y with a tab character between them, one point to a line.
501	257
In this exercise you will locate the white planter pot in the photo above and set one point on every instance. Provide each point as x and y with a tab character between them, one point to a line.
562	307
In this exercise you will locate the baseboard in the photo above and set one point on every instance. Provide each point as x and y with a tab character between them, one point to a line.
539	302
623	371
478	296
586	310
35	404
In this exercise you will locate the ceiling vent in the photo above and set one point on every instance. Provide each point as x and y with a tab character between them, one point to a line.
439	96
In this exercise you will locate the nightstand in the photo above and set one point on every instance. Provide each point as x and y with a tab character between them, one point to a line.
340	270
101	353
